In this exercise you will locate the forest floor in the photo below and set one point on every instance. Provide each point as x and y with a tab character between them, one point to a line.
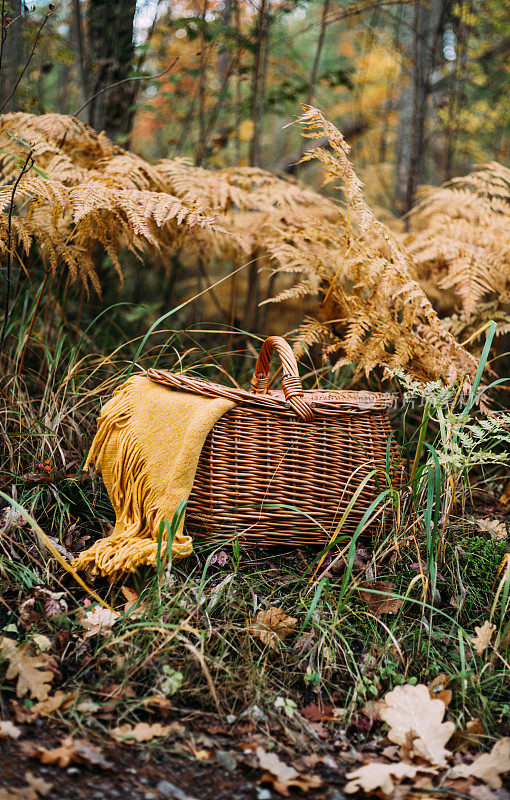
256	674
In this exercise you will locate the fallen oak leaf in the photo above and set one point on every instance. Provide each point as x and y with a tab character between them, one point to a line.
483	636
381	598
132	599
8	730
42	709
379	776
315	713
157	702
411	713
142	731
37	787
488	767
99	621
463	740
70	750
271	626
495	527
437	688
283	777
34	673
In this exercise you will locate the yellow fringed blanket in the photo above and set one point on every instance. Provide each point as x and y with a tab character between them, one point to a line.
148	443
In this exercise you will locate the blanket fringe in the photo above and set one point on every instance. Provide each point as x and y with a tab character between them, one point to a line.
133	541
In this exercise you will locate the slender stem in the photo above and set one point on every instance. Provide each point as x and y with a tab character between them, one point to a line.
8	266
125	80
43	23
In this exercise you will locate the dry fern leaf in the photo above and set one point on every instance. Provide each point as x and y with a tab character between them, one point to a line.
461	236
370	298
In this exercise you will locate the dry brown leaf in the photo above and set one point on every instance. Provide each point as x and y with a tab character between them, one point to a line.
495	527
437	688
70	750
99	620
157	702
8	730
283	777
488	767
481	792
37	787
141	732
88	707
378	776
462	740
380	599
410	710
43	709
131	598
483	636
34	673
317	713
271	626
505	497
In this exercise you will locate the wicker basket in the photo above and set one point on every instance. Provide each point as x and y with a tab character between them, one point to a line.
283	466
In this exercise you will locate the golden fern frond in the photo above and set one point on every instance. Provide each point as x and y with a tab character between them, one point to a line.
369	296
67	221
461	237
79	178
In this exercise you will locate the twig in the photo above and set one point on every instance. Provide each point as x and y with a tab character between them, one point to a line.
26	166
445	791
125	80
43	23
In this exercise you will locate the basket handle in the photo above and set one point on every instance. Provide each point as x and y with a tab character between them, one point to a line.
291	382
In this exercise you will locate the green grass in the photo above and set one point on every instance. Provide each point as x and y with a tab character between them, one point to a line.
193	614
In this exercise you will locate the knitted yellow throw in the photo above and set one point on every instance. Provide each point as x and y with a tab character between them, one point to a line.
148	443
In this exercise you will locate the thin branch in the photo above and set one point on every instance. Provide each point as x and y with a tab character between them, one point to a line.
316	63
125	80
3	34
43	23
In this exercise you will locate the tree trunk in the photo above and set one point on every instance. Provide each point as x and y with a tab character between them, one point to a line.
259	81
316	63
202	88
13	53
111	48
420	28
77	40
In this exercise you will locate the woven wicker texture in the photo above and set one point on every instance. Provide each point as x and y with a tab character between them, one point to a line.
283	466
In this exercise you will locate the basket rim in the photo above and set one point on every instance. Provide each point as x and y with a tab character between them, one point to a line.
321	400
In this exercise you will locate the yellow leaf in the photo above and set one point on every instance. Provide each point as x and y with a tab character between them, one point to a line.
246	130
